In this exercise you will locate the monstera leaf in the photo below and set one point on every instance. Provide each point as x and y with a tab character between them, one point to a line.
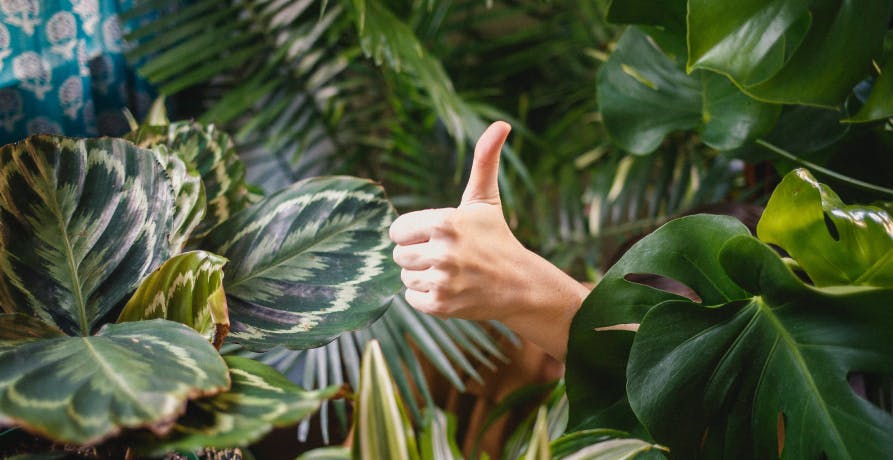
84	389
685	250
773	48
879	104
188	289
307	263
644	95
259	400
81	223
834	243
764	374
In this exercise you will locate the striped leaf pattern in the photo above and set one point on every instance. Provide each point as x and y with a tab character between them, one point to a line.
188	289
259	400
307	263
84	389
16	329
190	203
82	221
212	153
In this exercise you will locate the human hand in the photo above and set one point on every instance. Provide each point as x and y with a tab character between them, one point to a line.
464	262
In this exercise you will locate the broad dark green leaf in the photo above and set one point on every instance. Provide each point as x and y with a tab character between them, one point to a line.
834	243
749	40
16	329
776	359
82	390
776	49
187	289
82	221
382	427
307	263
879	104
259	400
685	250
644	95
661	13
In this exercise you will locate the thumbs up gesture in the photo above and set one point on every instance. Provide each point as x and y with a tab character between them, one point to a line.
464	262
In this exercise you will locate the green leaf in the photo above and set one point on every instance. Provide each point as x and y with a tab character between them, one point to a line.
538	446
615	449
685	250
85	389
382	427
879	104
209	151
307	263
187	289
82	221
437	439
775	49
190	203
644	95
570	443
259	399
326	453
749	40
834	243
774	360
16	329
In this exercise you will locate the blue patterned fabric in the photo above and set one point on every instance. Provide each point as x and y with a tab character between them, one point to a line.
62	69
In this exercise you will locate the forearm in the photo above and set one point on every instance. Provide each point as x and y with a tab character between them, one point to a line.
545	305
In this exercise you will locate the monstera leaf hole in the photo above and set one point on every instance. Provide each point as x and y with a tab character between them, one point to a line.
832	229
781	422
664	283
875	388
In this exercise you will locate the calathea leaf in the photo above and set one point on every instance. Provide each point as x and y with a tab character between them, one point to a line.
259	400
685	250
773	48
212	153
307	263
765	374
644	94
189	197
187	289
16	329
834	243
82	221
84	389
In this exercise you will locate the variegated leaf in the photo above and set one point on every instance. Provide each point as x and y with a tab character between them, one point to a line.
308	263
190	203
16	329
260	399
82	221
187	289
212	153
84	389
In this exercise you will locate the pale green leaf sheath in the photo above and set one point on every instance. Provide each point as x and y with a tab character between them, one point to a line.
307	263
188	289
85	389
81	223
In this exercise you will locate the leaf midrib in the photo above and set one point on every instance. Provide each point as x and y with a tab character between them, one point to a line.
115	377
801	364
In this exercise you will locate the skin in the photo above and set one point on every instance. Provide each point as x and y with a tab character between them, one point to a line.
464	262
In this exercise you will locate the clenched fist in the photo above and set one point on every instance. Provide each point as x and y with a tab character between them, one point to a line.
464	262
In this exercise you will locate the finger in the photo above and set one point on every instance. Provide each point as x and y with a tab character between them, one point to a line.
414	256
423	302
483	181
416	280
416	227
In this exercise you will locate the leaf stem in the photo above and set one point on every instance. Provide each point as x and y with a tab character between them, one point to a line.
823	170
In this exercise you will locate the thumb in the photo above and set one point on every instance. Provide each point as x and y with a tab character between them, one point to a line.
483	181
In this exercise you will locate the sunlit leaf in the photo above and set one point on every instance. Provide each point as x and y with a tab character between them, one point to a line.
187	289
